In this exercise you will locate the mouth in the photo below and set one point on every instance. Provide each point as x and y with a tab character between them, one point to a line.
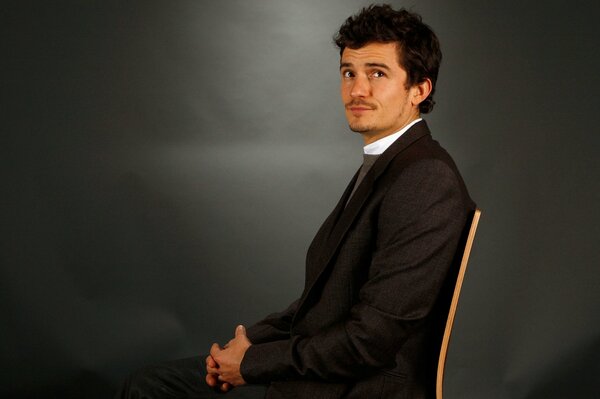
359	109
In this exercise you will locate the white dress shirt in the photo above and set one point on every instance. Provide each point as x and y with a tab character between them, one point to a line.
379	146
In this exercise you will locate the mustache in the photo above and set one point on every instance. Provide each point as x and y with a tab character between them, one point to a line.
356	103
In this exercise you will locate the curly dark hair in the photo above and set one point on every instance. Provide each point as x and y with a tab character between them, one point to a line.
418	47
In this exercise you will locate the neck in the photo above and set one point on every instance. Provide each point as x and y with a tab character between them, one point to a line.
371	137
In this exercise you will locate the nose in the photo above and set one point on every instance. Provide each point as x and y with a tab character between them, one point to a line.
360	87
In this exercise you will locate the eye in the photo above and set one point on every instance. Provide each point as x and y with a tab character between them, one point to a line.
378	74
347	74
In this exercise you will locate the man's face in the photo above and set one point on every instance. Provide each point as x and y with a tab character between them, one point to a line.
373	91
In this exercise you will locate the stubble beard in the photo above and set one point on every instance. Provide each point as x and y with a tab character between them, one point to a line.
359	127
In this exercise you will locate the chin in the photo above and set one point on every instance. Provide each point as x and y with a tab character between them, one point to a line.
360	130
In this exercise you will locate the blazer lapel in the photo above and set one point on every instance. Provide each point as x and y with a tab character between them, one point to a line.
319	242
343	215
364	190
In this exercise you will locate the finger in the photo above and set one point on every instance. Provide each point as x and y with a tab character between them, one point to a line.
240	330
210	362
212	370
225	387
211	380
214	350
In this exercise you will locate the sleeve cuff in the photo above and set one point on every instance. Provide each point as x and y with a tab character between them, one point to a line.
263	363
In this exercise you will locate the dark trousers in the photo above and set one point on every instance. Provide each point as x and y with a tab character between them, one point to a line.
183	378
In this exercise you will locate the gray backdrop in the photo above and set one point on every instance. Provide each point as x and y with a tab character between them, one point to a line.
166	164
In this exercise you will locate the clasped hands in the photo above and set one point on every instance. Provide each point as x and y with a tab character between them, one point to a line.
223	364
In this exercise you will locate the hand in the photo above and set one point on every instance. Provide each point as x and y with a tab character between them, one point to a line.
212	375
229	359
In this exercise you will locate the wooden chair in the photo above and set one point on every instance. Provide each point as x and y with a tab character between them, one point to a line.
454	303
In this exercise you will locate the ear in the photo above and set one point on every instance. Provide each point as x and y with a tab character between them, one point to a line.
420	91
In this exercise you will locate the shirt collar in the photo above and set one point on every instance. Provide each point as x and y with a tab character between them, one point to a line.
379	146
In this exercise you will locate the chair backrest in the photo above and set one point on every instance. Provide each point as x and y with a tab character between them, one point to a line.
454	303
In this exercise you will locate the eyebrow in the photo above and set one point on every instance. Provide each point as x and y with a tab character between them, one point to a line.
368	64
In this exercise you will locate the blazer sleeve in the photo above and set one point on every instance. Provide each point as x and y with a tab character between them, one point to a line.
419	224
274	327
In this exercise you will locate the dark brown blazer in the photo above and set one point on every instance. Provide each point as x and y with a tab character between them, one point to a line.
370	319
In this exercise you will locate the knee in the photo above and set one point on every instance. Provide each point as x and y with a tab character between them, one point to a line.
141	384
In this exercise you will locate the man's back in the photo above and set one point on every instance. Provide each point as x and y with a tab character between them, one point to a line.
370	319
369	315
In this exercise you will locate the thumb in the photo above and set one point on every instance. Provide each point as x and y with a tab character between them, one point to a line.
240	330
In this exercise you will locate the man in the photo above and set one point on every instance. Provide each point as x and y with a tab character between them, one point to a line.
369	321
